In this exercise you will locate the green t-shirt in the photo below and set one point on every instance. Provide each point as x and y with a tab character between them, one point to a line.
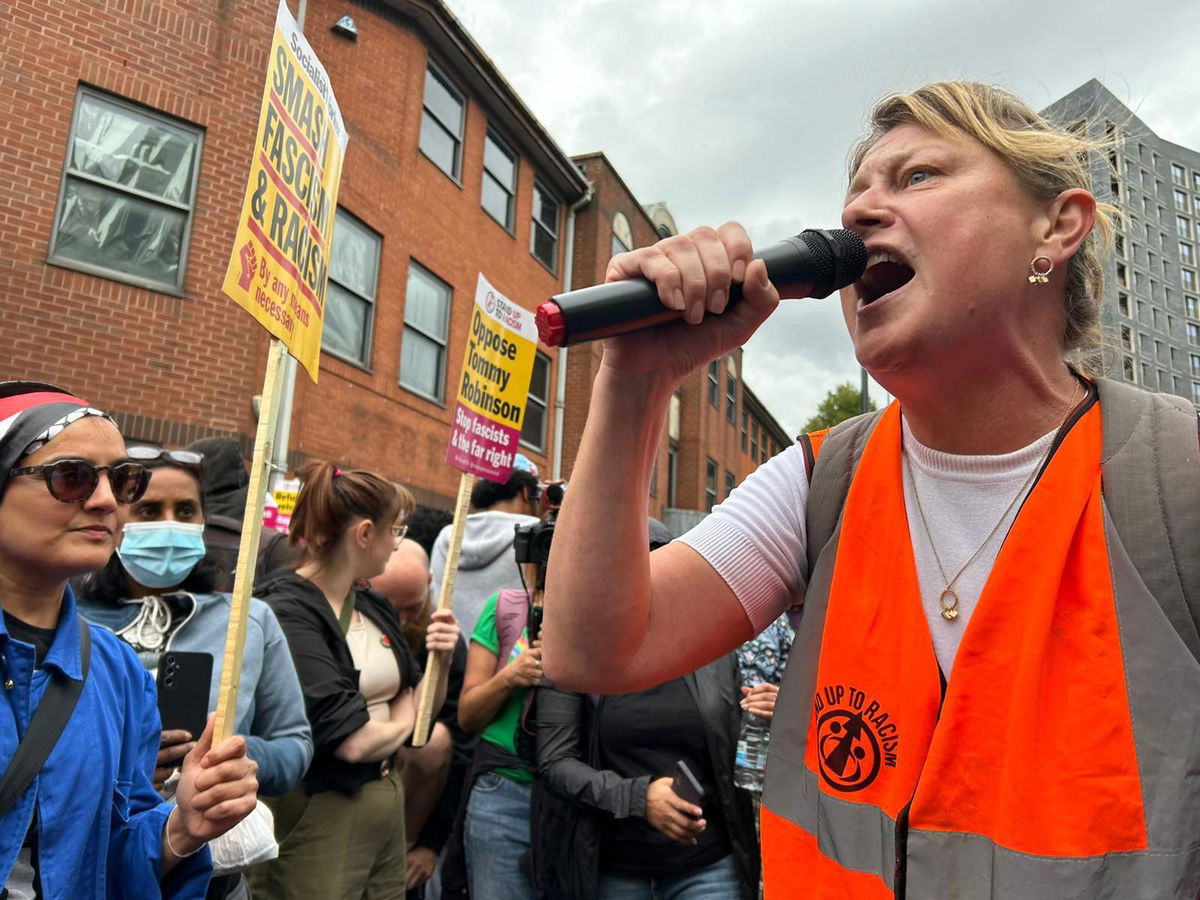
502	730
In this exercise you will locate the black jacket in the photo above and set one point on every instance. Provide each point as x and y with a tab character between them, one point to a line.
578	796
335	707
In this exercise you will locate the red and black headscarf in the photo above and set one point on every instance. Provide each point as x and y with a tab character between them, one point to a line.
31	415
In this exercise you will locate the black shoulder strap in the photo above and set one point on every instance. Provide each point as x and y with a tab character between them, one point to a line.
830	477
1151	480
49	720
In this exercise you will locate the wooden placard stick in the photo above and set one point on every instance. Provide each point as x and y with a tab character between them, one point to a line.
433	666
243	582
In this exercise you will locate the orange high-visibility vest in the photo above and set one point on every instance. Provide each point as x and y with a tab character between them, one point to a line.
1062	758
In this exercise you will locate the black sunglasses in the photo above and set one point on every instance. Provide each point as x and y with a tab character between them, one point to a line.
74	480
188	459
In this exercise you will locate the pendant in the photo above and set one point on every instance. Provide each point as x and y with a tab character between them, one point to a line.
949	603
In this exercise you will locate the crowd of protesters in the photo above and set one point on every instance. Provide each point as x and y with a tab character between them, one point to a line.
116	562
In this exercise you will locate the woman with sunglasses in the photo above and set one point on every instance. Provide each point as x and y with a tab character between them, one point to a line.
157	594
341	832
89	824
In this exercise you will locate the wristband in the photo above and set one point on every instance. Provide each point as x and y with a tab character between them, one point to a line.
174	852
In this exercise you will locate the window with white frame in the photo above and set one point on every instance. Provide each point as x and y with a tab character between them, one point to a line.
544	239
1189	279
672	474
1195	361
499	180
1196	393
1184	226
710	486
1187	254
622	234
1191	305
728	483
714	383
1128	367
533	427
1178	175
730	391
1180	200
127	195
1193	333
353	280
442	121
426	323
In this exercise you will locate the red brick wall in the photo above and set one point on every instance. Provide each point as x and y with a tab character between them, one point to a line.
177	368
185	359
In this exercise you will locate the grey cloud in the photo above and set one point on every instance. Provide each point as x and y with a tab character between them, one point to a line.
746	111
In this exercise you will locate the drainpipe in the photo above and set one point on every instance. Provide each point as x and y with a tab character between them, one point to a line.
560	390
287	389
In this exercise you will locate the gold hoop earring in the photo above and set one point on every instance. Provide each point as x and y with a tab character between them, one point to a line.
1040	276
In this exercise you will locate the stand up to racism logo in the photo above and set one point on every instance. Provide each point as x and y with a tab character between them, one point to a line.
855	737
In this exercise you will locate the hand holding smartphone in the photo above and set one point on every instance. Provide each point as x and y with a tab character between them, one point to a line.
686	785
184	683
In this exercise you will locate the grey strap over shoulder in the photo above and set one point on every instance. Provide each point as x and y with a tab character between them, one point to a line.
829	475
1151	481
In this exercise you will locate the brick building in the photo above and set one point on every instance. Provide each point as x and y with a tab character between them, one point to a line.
1150	311
126	128
717	430
127	131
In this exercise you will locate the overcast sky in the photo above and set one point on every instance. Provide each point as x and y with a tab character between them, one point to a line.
745	111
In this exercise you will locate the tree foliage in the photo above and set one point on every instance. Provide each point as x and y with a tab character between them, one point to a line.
843	402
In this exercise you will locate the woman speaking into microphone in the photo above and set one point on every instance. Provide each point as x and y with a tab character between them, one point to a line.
994	689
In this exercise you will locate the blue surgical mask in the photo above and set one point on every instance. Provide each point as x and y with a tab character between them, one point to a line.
161	554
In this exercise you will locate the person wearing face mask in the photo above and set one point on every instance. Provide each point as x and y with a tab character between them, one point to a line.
84	821
156	593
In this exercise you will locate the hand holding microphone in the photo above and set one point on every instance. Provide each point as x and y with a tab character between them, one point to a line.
812	264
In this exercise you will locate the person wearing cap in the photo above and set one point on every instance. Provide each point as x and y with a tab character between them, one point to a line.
486	564
88	824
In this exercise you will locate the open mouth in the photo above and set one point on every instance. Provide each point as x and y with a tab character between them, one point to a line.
886	272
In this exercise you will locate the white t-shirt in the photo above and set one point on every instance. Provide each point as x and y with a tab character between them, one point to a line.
756	539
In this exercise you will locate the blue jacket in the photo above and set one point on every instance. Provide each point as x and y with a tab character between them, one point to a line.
270	707
100	823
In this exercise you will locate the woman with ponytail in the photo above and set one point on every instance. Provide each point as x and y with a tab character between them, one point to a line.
341	832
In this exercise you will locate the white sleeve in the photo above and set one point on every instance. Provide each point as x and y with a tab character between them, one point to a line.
756	540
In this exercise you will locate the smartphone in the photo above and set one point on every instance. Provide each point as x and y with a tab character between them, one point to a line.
184	682
686	785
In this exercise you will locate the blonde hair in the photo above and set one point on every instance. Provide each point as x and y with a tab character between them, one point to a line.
1047	159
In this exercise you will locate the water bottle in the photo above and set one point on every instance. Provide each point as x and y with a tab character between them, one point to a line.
751	752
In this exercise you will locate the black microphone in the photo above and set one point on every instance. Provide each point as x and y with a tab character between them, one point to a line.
814	263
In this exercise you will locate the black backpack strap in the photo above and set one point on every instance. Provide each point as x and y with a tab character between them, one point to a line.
829	479
49	720
1151	480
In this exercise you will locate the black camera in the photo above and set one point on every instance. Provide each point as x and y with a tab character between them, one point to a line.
531	543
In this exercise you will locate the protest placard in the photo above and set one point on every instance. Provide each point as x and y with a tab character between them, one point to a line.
485	430
279	267
497	366
278	272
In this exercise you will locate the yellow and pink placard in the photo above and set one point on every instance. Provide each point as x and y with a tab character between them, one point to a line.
497	366
279	267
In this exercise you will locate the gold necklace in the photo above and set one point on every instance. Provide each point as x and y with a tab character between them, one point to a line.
948	598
